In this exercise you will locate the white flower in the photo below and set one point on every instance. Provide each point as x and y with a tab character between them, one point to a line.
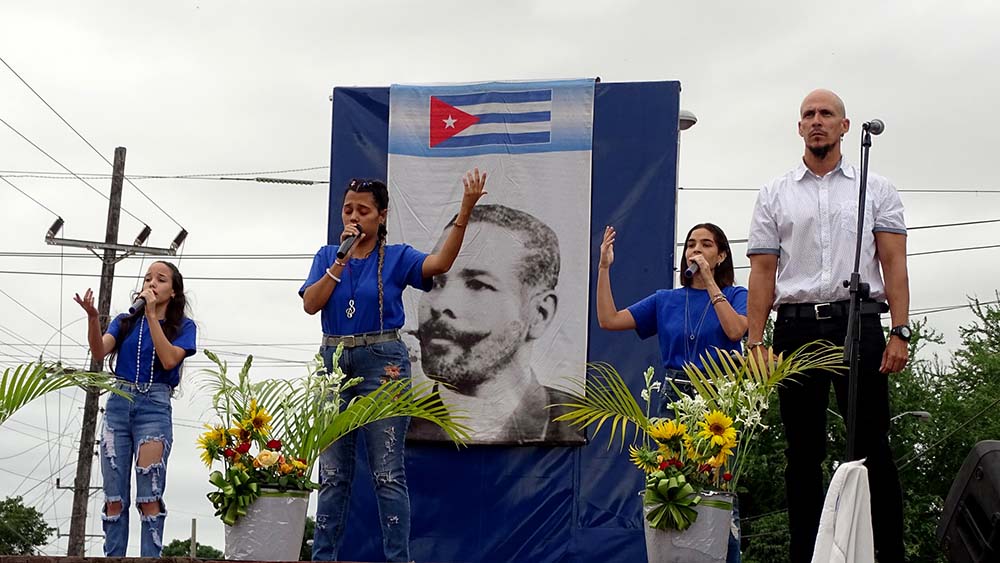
645	395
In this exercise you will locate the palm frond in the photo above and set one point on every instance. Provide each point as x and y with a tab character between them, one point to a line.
602	397
22	384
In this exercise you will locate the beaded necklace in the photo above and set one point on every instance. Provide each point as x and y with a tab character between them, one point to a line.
152	360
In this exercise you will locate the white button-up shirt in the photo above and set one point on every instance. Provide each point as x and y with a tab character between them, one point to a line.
810	223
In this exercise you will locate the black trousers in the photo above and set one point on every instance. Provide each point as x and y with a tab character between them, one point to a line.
803	414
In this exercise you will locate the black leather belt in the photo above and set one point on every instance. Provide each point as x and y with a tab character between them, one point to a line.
355	340
822	311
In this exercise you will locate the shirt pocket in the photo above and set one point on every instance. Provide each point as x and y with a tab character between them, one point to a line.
849	216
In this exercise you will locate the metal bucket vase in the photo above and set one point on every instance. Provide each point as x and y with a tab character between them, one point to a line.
272	528
706	541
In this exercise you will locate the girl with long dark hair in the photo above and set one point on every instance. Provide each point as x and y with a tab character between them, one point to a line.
360	297
147	350
707	312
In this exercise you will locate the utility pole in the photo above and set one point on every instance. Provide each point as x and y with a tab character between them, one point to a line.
85	458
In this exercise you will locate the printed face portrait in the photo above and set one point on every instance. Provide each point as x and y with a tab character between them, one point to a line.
487	309
475	317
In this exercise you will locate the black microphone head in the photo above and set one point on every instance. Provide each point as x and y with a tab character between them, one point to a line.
137	306
691	271
875	126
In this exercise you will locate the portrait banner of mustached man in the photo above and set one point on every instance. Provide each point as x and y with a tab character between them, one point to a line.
508	323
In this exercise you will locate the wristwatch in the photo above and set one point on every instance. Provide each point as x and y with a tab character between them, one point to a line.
902	331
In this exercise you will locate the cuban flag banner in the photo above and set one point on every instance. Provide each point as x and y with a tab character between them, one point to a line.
507	326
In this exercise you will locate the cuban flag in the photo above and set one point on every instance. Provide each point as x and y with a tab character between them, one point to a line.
490	118
534	141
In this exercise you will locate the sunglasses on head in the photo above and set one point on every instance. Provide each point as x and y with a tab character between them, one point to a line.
360	183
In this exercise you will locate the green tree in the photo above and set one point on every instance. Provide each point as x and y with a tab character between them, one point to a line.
22	528
182	548
305	554
963	397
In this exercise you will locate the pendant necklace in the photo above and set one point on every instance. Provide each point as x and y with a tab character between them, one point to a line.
351	310
152	359
691	343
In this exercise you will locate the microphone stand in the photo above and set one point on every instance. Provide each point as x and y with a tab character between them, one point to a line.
859	291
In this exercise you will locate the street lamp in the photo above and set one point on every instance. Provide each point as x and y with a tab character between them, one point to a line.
919	415
686	119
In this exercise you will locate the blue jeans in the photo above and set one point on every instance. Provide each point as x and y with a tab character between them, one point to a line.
127	426
663	410
376	364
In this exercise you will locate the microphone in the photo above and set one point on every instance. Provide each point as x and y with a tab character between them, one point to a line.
875	126
691	271
346	246
137	306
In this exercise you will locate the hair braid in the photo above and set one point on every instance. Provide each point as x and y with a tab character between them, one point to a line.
381	261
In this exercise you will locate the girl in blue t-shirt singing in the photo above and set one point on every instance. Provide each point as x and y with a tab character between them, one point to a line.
147	350
705	313
360	297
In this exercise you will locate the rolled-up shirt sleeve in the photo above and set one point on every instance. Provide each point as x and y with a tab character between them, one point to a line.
763	237
889	215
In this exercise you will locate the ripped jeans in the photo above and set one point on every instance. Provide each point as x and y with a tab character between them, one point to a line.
128	426
375	363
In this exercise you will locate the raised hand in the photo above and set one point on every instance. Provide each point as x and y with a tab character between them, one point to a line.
86	302
473	182
608	247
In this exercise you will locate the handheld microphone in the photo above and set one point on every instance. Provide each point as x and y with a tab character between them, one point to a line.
691	271
137	306
875	126
346	246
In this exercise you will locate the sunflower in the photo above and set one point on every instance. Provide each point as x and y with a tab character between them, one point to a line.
240	434
718	428
211	444
257	418
644	459
667	430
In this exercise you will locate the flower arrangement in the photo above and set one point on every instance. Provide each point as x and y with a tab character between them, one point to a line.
698	451
270	432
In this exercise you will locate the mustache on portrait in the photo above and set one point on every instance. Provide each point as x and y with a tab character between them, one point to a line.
436	328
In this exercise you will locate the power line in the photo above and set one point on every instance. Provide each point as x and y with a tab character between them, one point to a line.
25	194
88	143
124	276
918	191
276	256
53	175
40	149
59	330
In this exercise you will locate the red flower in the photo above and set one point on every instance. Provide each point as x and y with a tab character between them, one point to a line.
229	452
301	459
243	448
705	468
664	465
274	445
727	476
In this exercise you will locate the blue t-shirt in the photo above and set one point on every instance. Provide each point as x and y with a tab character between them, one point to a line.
663	313
125	362
403	267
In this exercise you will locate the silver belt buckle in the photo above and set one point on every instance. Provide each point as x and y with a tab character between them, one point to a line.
348	341
820	316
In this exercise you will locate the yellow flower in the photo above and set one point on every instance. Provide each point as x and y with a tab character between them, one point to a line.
240	435
299	465
644	459
210	446
664	431
718	428
257	418
266	458
285	468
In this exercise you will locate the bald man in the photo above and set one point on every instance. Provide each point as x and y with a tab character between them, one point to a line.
801	248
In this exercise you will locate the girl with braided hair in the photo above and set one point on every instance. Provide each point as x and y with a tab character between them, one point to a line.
360	300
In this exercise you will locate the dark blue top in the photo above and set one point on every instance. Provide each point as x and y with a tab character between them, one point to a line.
663	313
125	363
403	267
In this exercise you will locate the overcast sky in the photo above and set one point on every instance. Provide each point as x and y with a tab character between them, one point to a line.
239	87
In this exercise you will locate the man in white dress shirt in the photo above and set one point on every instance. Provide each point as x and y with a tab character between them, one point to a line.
801	248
